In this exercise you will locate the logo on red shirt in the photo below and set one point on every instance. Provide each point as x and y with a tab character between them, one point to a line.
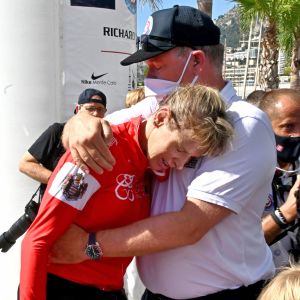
74	187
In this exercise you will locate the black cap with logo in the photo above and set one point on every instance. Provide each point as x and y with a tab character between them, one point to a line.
169	28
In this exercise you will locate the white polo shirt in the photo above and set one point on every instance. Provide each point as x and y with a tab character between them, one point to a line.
234	252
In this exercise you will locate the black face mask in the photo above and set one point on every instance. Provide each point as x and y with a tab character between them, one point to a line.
288	148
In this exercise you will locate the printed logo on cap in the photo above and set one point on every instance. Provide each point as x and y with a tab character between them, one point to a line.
148	26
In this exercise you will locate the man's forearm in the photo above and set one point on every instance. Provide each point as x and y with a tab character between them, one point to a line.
36	171
288	209
270	228
162	232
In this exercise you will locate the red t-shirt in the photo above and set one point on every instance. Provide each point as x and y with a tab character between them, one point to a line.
93	202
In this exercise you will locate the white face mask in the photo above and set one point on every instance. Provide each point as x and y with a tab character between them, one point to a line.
161	88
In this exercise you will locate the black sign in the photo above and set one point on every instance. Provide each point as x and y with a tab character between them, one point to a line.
110	4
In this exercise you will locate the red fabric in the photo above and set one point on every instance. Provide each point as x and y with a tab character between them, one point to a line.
111	202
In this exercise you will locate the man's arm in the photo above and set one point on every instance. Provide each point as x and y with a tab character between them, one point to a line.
288	209
163	232
86	136
150	235
32	168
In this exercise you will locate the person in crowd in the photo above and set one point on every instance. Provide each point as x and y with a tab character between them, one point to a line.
255	97
134	96
283	109
192	121
39	161
284	286
204	239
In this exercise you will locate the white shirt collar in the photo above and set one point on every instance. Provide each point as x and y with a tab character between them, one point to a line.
228	93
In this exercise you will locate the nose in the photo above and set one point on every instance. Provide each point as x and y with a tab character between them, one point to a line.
181	161
97	113
153	70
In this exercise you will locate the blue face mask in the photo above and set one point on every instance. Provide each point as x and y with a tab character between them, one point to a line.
288	148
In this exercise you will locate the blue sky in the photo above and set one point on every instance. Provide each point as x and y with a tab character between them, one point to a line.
219	8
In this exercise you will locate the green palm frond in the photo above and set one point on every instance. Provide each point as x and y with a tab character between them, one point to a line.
263	8
288	24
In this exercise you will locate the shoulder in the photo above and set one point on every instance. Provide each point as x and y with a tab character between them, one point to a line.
143	108
241	109
127	129
57	127
249	118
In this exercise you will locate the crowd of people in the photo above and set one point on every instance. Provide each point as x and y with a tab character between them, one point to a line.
224	208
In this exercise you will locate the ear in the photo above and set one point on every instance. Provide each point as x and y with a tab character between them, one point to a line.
77	108
198	58
162	116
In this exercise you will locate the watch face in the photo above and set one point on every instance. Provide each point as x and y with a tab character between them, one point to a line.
93	252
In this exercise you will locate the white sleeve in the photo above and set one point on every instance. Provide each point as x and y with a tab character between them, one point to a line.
143	108
241	174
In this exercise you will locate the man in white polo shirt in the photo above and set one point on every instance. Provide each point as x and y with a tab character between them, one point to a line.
204	239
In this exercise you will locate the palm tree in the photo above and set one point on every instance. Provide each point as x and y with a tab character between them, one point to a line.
267	10
289	37
205	6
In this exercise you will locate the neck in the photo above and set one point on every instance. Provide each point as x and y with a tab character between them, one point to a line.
213	81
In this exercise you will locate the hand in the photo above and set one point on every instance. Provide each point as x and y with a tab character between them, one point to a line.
70	248
289	208
87	137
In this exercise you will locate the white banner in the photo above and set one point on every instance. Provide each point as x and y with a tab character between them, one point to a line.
97	35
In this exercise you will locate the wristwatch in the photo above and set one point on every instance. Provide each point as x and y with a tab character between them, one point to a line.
93	249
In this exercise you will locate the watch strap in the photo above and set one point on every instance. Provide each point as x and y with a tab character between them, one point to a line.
92	238
278	219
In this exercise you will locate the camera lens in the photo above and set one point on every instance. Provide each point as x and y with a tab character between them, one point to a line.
18	228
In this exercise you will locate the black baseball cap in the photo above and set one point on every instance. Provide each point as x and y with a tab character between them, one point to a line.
86	97
177	26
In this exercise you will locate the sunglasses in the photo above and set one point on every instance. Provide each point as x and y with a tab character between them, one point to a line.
93	109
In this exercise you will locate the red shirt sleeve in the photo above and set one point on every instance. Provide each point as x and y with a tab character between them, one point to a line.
66	195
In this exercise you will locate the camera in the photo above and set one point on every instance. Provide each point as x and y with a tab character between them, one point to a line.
9	237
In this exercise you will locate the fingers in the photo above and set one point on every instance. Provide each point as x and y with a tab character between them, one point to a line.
87	141
80	161
106	131
297	190
92	157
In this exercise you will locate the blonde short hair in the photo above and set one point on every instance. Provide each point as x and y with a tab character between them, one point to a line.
202	110
134	96
284	286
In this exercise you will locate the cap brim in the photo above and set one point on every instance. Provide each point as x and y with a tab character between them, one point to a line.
141	55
